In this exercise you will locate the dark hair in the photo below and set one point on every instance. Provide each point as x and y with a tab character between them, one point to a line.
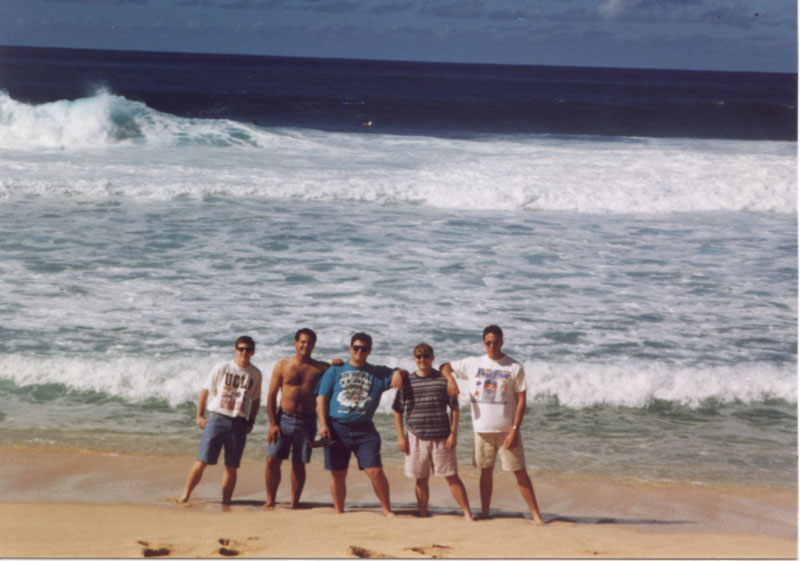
361	337
306	331
423	347
247	341
493	329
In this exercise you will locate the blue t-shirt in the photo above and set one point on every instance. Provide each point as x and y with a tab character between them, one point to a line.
354	393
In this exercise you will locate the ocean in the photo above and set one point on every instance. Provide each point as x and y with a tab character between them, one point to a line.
634	232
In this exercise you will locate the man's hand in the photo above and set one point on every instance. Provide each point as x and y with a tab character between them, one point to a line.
451	442
452	387
274	434
336	362
511	439
402	444
250	426
397	379
324	431
201	422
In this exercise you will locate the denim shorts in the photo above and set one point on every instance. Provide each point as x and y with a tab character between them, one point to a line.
361	439
295	434
220	431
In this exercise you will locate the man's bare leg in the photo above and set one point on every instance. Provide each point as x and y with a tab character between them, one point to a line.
381	487
228	484
526	490
487	476
298	481
338	489
273	480
423	494
192	479
459	493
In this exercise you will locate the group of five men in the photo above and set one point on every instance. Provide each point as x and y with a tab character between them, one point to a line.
341	400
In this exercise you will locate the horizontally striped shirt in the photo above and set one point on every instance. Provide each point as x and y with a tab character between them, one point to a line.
424	400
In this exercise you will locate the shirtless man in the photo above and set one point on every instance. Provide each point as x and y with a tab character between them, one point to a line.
294	423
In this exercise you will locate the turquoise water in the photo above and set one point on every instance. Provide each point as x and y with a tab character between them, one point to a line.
659	346
647	284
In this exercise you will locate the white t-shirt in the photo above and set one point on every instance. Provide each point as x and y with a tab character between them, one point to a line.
232	390
493	388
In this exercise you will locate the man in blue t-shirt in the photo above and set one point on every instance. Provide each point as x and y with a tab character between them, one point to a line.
347	398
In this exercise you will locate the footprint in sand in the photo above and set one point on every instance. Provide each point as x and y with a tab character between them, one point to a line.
155	550
434	551
364	553
228	547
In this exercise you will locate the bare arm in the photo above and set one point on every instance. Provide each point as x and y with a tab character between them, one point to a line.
201	408
452	386
251	422
513	436
397	379
452	440
322	416
272	404
402	442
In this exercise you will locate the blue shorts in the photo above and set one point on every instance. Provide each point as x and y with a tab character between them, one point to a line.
220	431
295	434
362	439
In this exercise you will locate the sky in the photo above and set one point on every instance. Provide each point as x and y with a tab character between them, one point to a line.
745	35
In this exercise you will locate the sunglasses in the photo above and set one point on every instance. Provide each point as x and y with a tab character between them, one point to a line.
422	355
360	348
244	349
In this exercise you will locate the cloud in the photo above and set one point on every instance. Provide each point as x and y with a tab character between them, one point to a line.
646	10
336	6
466	9
391	8
530	11
612	9
101	2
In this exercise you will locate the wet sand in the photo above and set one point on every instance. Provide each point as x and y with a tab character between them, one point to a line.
70	503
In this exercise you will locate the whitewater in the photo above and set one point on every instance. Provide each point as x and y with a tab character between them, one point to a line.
111	136
648	285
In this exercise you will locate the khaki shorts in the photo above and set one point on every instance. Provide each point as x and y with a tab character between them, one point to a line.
488	445
429	456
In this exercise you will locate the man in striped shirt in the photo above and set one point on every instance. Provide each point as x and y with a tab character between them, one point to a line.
430	445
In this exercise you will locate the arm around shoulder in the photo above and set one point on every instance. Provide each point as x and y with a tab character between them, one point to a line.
452	387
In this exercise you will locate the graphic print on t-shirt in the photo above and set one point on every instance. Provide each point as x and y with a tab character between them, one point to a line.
491	385
354	396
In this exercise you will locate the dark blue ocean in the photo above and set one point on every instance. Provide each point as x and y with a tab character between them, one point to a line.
417	98
633	231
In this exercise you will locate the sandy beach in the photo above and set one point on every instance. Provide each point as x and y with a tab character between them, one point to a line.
70	503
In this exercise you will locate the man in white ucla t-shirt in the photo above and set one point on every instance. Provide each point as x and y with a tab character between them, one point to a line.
232	395
497	398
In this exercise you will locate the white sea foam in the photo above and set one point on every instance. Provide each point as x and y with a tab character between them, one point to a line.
574	385
108	146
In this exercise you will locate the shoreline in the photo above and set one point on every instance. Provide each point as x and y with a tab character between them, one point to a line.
85	502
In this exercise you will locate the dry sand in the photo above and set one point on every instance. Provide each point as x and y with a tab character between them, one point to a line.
68	503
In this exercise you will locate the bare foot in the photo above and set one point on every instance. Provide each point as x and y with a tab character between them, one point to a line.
389	514
269	506
468	516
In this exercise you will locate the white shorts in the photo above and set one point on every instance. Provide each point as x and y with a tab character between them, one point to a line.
429	456
488	445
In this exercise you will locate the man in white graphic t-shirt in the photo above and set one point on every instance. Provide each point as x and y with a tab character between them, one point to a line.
231	394
497	399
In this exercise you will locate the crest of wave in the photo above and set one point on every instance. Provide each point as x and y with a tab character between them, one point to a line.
58	124
637	384
103	120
